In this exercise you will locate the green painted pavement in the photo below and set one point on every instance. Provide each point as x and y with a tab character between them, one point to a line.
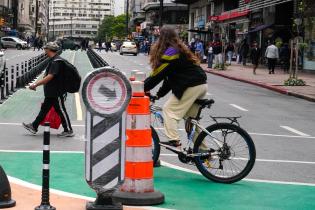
183	191
24	105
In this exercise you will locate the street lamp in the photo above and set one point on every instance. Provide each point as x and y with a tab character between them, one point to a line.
127	17
161	13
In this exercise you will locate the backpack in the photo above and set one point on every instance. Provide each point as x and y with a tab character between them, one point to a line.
71	77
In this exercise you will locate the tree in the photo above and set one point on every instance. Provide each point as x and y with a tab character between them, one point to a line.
112	27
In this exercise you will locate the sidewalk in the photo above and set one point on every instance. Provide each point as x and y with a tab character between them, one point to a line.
264	79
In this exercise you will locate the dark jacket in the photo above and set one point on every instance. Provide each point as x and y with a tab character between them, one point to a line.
255	54
177	74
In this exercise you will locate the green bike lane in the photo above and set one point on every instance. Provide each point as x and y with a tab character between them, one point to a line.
183	190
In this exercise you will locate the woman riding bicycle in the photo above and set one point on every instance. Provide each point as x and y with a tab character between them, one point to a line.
174	64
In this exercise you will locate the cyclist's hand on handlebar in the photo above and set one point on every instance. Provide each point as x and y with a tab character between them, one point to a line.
153	98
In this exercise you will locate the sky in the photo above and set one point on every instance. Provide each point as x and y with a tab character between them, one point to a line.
119	7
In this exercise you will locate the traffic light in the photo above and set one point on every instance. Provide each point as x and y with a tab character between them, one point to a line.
1	21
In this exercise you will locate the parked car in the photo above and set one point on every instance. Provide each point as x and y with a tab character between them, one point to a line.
129	48
13	42
70	44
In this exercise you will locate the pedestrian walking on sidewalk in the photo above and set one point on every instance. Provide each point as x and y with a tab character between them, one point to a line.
53	91
244	51
199	50
174	64
285	57
210	55
229	51
100	45
272	54
255	56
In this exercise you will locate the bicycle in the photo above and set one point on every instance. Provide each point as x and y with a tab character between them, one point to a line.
216	158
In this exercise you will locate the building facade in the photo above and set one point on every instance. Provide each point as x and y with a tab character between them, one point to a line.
77	18
174	14
251	20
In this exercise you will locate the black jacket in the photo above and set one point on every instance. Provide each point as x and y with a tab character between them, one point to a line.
177	74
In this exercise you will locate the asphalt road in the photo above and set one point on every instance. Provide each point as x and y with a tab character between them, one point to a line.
281	126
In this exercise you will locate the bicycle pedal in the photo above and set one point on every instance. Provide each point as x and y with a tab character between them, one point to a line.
174	149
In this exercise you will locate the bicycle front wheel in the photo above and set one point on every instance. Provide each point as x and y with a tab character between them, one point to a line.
231	151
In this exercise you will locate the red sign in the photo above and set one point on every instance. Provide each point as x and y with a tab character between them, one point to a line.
246	1
233	14
213	18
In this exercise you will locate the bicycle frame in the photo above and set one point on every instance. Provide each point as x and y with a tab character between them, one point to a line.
156	111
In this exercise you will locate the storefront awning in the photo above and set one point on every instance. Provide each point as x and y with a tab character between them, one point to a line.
260	28
199	31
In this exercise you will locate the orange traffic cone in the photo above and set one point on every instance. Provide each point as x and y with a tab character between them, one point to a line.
138	188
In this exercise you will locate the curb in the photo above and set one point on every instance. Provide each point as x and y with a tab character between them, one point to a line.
263	85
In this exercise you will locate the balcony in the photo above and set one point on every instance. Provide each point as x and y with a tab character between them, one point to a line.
155	5
185	1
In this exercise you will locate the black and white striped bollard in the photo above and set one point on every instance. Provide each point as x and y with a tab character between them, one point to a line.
45	204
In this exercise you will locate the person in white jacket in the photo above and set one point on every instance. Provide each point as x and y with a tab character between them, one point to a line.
272	54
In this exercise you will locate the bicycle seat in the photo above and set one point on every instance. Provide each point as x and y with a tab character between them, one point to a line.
204	102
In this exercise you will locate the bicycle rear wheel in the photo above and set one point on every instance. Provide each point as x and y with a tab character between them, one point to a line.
156	148
230	161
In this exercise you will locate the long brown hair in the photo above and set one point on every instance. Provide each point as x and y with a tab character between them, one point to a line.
169	38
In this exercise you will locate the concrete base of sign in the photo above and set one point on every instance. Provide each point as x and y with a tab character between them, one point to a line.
7	204
93	206
139	199
45	207
5	191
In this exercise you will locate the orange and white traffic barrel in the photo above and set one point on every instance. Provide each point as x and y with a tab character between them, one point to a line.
138	188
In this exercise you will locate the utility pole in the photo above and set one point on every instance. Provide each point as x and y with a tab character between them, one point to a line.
36	18
71	24
15	5
161	13
127	17
48	19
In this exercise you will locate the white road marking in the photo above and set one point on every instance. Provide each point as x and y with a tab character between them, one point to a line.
77	97
39	151
163	163
294	130
257	160
239	107
209	94
254	134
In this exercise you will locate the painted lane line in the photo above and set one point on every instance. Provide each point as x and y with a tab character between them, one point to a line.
70	195
163	163
239	107
258	160
57	192
254	134
20	124
261	134
294	131
77	96
40	151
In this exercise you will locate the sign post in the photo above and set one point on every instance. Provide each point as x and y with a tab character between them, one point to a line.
106	93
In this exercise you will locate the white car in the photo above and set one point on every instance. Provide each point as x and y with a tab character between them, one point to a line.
13	42
129	48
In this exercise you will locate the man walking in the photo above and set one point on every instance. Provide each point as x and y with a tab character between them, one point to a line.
272	54
54	94
255	56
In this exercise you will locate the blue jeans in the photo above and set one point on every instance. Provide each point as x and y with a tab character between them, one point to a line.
210	60
229	54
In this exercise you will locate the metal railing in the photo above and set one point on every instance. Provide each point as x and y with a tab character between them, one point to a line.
21	74
95	59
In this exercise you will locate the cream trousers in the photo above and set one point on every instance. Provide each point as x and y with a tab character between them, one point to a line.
174	110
